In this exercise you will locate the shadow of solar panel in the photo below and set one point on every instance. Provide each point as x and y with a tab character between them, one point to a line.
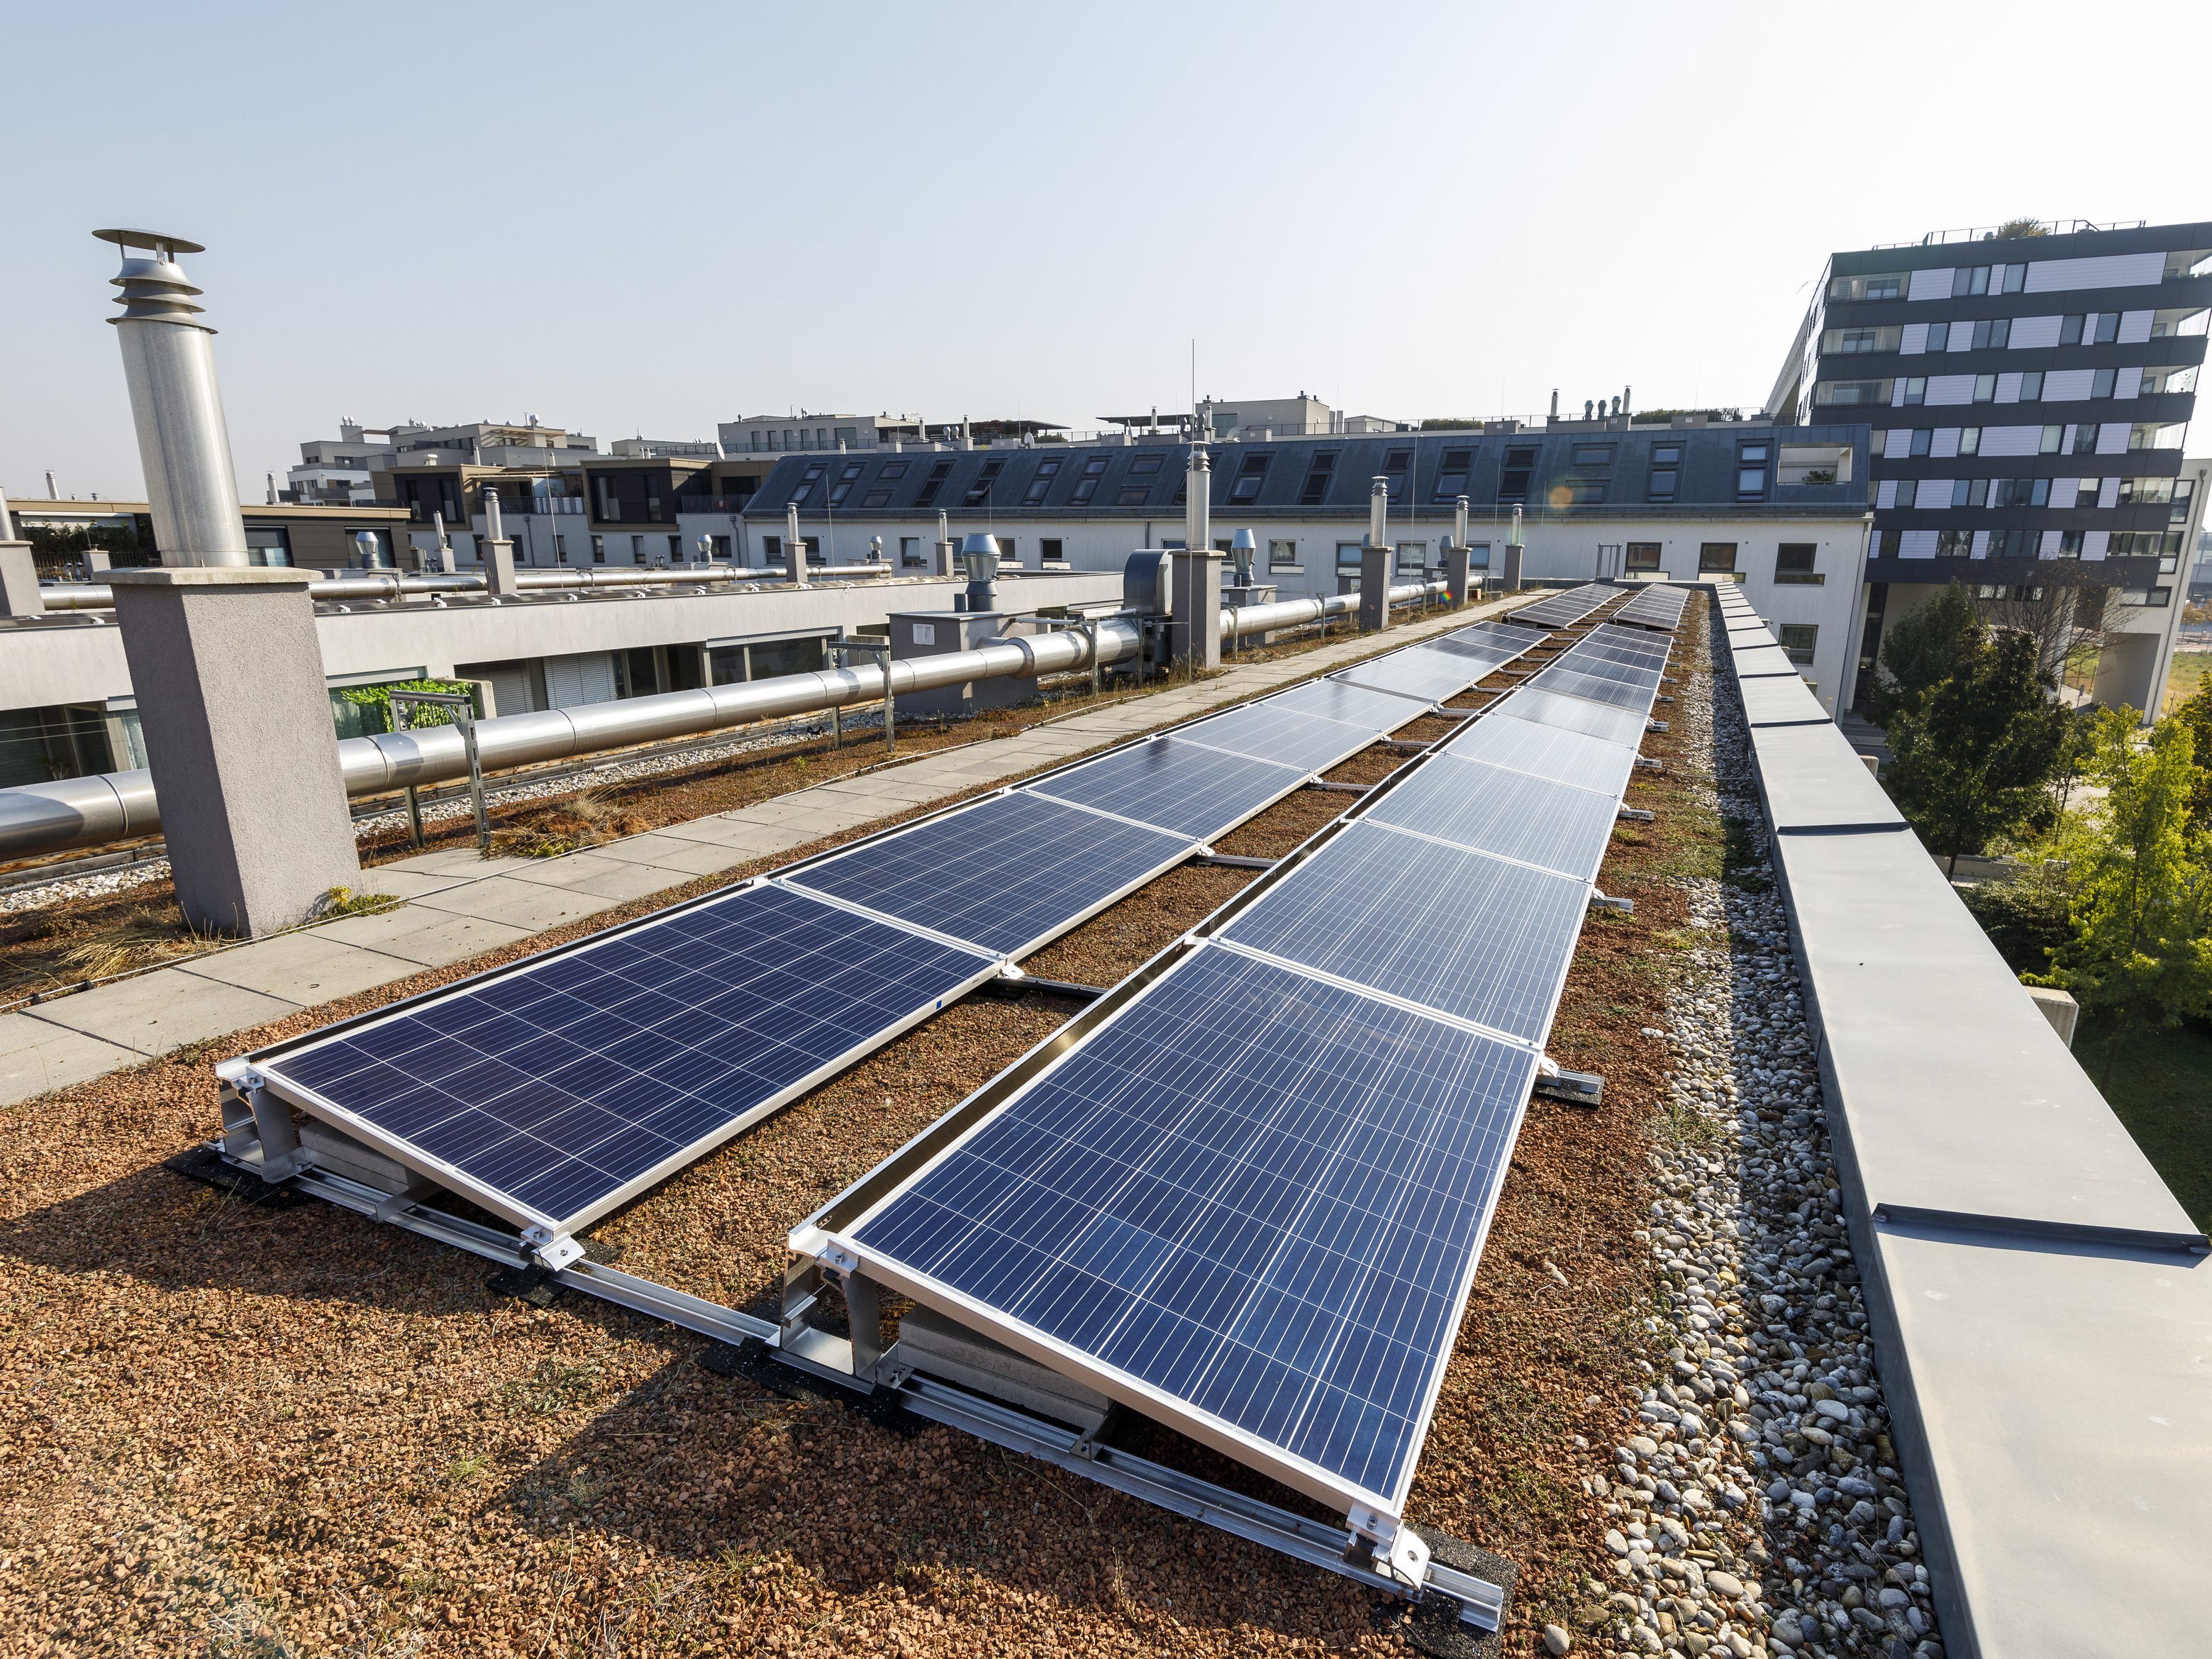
1177	786
1006	873
553	1091
1251	1203
1267	730
1492	809
1597	719
1546	751
1459	932
1355	705
1563	681
1422	671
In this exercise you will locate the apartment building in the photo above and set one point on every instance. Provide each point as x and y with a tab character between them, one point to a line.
1782	508
2027	390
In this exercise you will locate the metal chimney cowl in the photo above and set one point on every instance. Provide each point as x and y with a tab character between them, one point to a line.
183	443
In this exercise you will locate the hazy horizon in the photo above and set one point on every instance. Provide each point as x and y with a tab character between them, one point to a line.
655	220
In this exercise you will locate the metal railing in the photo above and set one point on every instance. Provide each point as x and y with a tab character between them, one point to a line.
1988	233
88	811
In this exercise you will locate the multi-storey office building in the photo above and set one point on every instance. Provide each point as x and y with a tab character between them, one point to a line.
2028	397
1782	508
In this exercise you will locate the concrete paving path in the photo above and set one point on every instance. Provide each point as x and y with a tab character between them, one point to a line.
459	905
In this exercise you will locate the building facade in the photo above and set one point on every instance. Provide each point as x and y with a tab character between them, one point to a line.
2027	391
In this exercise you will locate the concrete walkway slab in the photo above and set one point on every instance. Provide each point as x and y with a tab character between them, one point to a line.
36	1056
616	880
519	903
462	863
427	938
158	1011
304	968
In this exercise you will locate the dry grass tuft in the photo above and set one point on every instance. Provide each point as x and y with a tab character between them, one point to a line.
590	818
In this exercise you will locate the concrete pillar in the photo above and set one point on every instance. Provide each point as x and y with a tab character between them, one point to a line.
1194	587
19	581
1457	561
948	560
1512	568
1374	589
98	562
498	558
228	673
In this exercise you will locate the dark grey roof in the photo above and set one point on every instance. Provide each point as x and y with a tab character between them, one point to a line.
1576	473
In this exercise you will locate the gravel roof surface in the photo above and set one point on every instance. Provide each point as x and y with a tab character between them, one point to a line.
232	1429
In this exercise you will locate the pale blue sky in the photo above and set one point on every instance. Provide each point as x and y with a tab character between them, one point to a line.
653	217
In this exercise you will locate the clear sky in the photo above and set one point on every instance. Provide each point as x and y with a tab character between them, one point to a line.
648	218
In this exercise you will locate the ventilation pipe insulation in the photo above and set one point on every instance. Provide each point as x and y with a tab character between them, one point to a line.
979	561
1378	511
794	550
1198	502
51	817
168	364
98	596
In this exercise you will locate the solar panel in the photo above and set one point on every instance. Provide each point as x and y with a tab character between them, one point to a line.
1609	656
1488	652
1546	751
1591	666
1250	1204
551	1093
1006	873
1570	682
1462	933
1492	809
1498	633
1627	641
1597	719
1355	705
1177	786
1422	671
1269	732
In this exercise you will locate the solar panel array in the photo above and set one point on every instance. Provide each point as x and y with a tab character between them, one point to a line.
1251	1201
1656	607
1566	608
552	1092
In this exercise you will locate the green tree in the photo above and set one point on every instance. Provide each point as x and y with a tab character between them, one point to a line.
2142	908
1921	651
2196	712
1975	754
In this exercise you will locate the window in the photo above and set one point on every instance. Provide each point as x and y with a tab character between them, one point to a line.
1451	475
1969	441
2052	436
894	470
910	552
1087	486
1050	551
843	487
1853	342
1133	495
2108	327
561	547
2070	543
1642	555
2085	438
772	550
1889	285
2031	386
2101	383
980	492
1716	555
847	436
1793	562
1251	473
1666	472
1047	470
2176	377
1907	489
1394	466
1283	555
1513	478
1750	470
1321	469
1954	543
1147	465
937	473
1593	454
2069	330
1916	390
1347	555
1888	544
1992	333
598	549
1852	393
1478	557
637	549
1970	279
1412	557
2015	278
1800	640
1986	388
877	498
1939	337
1921	437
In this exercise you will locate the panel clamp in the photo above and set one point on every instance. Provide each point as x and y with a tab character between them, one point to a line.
554	1251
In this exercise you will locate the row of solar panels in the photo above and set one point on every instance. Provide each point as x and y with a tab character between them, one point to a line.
1250	1198
1565	608
554	1091
1654	607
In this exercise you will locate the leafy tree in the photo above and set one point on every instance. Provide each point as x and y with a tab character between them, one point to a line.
2196	712
1921	651
2030	919
2142	950
1975	754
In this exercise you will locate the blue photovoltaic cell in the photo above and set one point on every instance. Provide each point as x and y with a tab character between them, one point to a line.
1601	668
1269	732
1501	636
1632	640
1355	705
1252	1193
1621	725
1421	671
1494	810
1567	682
568	1079
1006	873
1613	651
1178	786
1483	652
1458	932
1546	751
